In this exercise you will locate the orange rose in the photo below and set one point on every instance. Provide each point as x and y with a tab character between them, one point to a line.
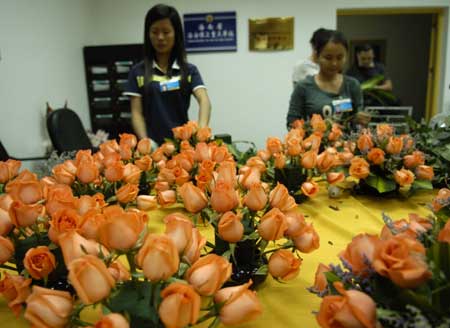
87	171
27	191
64	220
223	197
384	130
144	163
73	246
444	234
121	232
192	251
39	262
167	197
273	225
59	197
162	186
109	146
128	139
180	305
335	133
294	146
125	152
309	159
194	198
249	177
179	229
230	227
264	155
279	160
359	168
335	177
112	320
158	257
320	280
312	142
310	188
295	222
144	146
86	203
131	173
208	274
442	199
402	260
5	201
86	271
166	175
239	304
48	308
90	222
284	265
352	309
63	175
168	148
182	132
326	160
256	198
202	152
146	202
5	222
274	145
204	134
424	172
119	272
6	249
359	253
114	171
307	240
279	197
395	145
23	215
15	290
376	156
404	177
185	160
220	154
413	160
127	193
110	159
364	142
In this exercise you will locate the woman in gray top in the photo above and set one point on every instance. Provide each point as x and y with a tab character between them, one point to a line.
329	93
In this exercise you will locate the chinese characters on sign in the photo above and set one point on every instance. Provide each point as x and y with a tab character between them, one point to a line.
210	32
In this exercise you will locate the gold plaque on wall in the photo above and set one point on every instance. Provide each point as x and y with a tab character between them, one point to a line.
269	34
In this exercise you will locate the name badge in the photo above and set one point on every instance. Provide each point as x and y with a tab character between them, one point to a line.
342	105
170	85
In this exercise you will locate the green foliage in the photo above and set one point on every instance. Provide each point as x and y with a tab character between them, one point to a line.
381	184
241	156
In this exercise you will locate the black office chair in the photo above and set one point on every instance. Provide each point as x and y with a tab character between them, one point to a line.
66	131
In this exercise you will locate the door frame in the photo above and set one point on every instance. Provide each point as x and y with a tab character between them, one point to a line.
436	39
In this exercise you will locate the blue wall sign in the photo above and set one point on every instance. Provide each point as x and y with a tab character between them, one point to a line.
210	32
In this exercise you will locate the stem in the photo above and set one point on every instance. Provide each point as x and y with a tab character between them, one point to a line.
209	315
130	259
276	249
440	288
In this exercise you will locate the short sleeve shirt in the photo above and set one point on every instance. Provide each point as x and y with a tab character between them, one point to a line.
308	99
165	103
303	69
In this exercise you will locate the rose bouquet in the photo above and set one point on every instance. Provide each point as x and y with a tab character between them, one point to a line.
384	163
72	253
399	278
252	220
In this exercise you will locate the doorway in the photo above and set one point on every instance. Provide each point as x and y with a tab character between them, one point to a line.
407	42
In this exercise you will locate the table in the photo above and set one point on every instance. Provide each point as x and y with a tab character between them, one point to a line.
336	221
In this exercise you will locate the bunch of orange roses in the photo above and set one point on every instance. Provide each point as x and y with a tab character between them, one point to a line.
398	278
74	252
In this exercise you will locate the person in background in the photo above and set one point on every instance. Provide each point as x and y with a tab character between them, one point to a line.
160	86
308	66
366	68
329	92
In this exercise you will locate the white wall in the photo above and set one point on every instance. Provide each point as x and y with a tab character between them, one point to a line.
250	91
41	48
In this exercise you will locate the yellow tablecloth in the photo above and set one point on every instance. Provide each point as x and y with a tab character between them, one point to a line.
290	304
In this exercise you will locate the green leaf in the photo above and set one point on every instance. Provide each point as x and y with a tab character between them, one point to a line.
422	184
263	270
381	184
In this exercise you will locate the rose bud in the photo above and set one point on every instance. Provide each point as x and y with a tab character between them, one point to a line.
180	305
145	163
146	202
310	188
273	225
208	274
23	215
5	222
424	172
309	159
295	222
127	193
359	168
119	272
87	171
48	308
167	197
192	252
223	197
158	257
308	240
63	175
74	246
352	309
230	227
404	177
359	253
279	197
240	304
15	289
179	229
194	198
39	262
320	280
6	249
256	198
144	146
62	221
376	156
86	271
395	145
335	177
284	265
114	171
112	320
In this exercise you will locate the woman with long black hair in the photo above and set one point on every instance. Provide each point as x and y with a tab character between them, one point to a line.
162	84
